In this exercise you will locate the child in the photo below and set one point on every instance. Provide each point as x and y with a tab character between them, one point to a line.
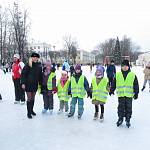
48	87
78	88
99	89
62	92
127	87
146	76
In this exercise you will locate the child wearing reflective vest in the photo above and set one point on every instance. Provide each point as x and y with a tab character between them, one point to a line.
77	89
126	84
48	88
62	92
100	89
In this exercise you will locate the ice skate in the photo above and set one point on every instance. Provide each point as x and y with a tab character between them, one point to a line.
60	112
70	115
44	111
128	124
79	116
119	122
95	116
22	103
101	117
51	111
16	102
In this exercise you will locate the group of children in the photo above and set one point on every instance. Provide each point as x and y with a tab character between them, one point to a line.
76	87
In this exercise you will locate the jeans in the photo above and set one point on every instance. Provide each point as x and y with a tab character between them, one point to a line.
80	105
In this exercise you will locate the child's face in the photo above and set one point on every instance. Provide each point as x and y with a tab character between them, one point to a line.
48	67
125	68
98	74
64	76
77	70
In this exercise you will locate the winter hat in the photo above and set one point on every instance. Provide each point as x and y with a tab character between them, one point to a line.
48	63
35	55
64	72
77	67
125	63
16	56
100	68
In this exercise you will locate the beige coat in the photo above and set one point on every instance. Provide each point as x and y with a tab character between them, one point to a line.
147	73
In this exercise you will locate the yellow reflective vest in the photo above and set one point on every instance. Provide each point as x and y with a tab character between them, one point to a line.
77	89
99	91
63	91
125	87
49	82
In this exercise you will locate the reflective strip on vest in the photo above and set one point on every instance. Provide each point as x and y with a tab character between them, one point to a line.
99	92
49	82
125	87
63	91
77	89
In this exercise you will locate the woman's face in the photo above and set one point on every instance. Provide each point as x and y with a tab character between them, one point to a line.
35	59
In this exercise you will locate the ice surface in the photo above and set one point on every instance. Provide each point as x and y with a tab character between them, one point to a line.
57	132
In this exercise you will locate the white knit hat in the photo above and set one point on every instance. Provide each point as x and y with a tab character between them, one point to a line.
17	56
64	72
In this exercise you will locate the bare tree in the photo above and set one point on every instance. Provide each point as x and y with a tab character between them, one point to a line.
19	21
70	45
3	33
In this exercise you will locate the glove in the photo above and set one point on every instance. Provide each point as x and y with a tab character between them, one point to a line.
49	93
69	93
135	96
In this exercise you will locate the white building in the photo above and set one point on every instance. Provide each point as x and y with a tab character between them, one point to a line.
143	59
42	48
84	57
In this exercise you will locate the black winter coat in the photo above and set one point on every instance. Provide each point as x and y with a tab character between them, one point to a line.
31	77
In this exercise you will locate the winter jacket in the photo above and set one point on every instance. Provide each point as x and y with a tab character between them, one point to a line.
31	77
111	71
135	83
17	69
147	73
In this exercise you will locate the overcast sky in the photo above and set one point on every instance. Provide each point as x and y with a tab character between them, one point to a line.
90	21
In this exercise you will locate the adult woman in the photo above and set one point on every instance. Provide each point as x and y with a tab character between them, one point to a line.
30	78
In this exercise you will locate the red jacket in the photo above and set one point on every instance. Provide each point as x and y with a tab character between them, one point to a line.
16	70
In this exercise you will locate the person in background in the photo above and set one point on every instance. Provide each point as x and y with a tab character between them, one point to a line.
66	66
127	86
111	71
146	76
48	88
31	77
72	70
99	90
17	68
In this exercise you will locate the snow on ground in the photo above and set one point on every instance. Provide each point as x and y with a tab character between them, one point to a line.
57	132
